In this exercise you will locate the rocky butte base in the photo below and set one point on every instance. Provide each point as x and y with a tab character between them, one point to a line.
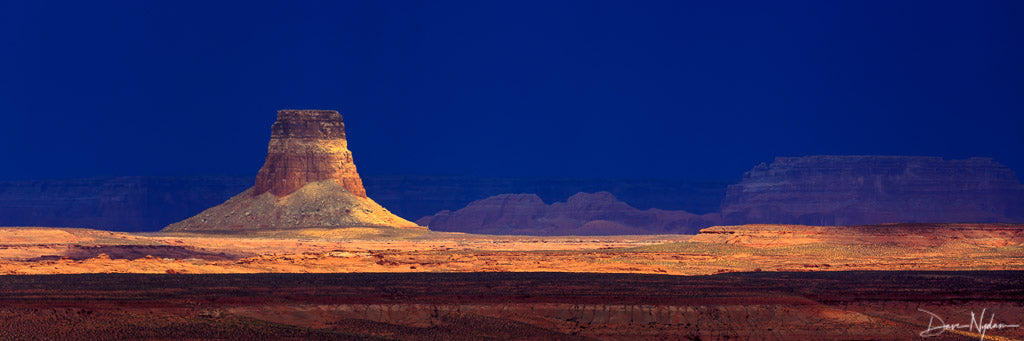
318	204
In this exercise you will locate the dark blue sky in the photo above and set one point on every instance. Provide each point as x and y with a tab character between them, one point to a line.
637	89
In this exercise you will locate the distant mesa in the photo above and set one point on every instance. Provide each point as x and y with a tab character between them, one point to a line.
582	214
308	180
874	189
809	190
147	203
820	190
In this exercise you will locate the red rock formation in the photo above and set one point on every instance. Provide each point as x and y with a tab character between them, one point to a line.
308	180
860	190
582	214
307	146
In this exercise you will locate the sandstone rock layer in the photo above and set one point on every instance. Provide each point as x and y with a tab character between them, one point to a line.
307	146
308	180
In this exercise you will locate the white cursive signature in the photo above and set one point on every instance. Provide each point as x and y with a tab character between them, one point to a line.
977	324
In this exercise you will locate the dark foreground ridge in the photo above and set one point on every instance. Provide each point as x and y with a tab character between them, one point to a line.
786	305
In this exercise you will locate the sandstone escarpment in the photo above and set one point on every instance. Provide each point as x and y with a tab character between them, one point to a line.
308	180
582	214
860	190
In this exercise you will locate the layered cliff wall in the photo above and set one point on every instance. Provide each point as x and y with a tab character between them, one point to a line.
859	190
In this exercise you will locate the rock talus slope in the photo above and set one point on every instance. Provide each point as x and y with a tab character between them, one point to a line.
309	180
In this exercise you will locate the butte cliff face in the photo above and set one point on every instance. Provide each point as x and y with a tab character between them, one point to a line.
857	190
307	146
309	180
582	214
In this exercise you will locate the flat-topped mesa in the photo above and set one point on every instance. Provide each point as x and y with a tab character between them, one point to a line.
873	189
307	146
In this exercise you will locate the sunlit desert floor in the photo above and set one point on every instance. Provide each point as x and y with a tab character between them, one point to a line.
945	247
728	282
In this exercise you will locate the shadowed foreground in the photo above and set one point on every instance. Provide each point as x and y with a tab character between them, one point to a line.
433	306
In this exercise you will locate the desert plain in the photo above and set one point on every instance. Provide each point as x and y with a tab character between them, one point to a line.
727	282
746	248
